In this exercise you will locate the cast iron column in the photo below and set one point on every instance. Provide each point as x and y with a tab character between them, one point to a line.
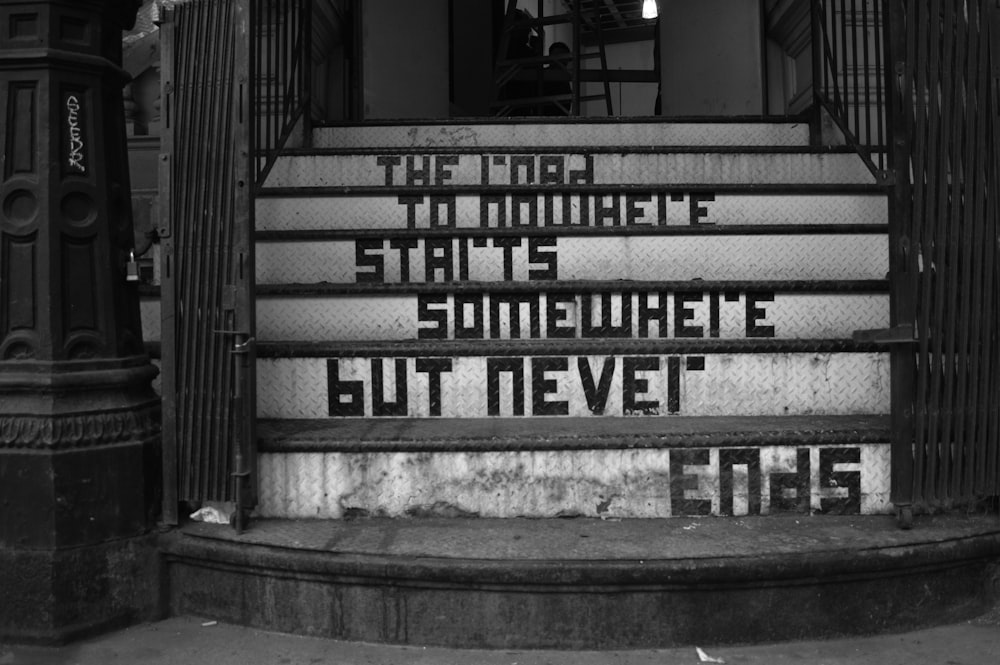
78	418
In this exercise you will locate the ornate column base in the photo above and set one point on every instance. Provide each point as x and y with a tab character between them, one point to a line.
79	461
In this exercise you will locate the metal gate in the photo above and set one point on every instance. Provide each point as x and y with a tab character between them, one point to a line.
207	278
944	246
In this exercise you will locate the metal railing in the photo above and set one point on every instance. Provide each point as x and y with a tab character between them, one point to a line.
946	103
850	47
280	59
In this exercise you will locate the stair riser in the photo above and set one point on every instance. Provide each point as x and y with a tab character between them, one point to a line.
403	317
768	257
475	387
501	170
560	316
647	483
555	135
550	210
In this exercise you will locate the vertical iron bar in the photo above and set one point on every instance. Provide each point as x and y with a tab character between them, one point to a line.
901	265
168	304
853	65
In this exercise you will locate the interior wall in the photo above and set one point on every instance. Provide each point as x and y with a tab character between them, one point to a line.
472	57
711	60
628	98
405	58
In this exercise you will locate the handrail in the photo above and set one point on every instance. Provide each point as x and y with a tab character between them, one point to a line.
850	56
280	72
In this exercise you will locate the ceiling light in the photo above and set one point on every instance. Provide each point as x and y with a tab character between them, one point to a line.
649	10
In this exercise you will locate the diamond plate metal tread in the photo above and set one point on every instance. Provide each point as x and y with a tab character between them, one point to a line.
591	167
491	434
555	134
604	384
719	257
422	209
576	314
539	347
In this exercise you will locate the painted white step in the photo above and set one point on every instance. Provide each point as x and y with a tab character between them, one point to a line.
509	258
609	483
546	384
392	212
535	134
565	315
504	169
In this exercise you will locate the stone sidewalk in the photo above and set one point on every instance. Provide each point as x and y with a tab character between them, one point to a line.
193	641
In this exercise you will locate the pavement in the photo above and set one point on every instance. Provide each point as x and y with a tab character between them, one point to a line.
195	641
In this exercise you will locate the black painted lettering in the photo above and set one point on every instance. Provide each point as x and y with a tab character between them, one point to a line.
699	211
524	203
418	174
632	385
713	314
450	218
584	176
633	212
537	257
541	386
389	163
463	303
522	164
438	256
682	482
411	203
346	399
830	480
755	314
427	313
494	368
610	211
792	490
463	259
404	245
484	169
508	245
557	309
434	368
442	172
597	395
729	458
673	384
497	202
380	407
513	302
552	169
606	328
656	313
365	260
683	314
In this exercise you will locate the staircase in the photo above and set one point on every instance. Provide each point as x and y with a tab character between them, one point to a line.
614	319
599	320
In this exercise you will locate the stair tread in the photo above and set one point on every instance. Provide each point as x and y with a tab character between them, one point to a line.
602	546
567	432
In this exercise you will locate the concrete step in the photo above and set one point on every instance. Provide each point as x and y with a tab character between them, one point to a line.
485	168
598	379
424	208
552	134
585	583
505	258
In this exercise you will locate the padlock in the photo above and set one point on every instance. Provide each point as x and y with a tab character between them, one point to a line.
131	268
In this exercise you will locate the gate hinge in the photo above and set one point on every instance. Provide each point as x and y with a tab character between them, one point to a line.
901	334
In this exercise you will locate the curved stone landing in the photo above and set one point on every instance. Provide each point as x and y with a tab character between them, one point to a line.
587	583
